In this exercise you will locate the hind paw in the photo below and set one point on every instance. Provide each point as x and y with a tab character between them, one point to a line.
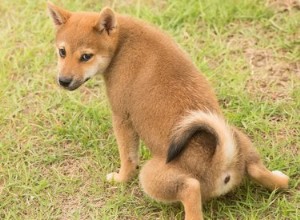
283	179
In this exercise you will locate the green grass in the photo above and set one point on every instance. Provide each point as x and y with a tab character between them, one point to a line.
56	147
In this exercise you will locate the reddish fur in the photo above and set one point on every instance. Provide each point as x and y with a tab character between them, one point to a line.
151	84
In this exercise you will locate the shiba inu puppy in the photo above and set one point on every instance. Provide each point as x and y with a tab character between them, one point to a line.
157	95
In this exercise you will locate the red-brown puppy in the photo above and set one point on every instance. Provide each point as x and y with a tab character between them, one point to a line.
157	95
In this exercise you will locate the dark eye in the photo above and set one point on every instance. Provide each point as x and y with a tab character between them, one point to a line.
85	57
62	52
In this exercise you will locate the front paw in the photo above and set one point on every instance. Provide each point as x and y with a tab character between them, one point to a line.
115	177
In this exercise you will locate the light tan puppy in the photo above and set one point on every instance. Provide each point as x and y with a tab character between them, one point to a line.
157	95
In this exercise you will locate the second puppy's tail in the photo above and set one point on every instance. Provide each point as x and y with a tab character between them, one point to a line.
210	122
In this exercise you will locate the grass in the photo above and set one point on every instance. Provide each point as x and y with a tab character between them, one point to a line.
56	147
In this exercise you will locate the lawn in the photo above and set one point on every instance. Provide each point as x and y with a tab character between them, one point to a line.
56	147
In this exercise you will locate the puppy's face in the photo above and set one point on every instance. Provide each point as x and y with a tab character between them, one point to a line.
85	43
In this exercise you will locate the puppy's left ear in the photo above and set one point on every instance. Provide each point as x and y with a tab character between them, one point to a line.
58	15
107	21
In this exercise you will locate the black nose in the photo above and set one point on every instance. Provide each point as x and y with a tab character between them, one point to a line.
65	82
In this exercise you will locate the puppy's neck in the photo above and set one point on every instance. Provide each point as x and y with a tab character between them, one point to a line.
127	47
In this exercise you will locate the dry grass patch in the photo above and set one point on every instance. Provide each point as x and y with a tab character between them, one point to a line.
283	5
272	77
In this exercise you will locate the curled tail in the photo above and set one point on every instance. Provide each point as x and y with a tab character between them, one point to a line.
197	121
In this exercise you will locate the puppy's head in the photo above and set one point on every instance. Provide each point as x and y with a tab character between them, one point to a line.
85	43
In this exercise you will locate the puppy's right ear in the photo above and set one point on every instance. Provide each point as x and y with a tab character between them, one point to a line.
58	15
107	21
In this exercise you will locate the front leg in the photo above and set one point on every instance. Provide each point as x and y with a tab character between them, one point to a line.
128	143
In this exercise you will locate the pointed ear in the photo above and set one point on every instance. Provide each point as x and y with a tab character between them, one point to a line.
58	15
107	21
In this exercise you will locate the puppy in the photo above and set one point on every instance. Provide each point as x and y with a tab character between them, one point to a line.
157	95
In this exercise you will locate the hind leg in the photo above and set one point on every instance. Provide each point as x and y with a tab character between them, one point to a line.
271	180
163	182
256	169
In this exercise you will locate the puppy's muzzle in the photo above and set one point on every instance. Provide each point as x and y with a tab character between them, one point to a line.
64	81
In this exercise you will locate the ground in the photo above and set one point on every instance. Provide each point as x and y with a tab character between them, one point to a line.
56	147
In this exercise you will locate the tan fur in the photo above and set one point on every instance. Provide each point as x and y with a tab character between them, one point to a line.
156	94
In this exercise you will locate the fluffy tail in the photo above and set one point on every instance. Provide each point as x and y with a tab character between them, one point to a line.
197	121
